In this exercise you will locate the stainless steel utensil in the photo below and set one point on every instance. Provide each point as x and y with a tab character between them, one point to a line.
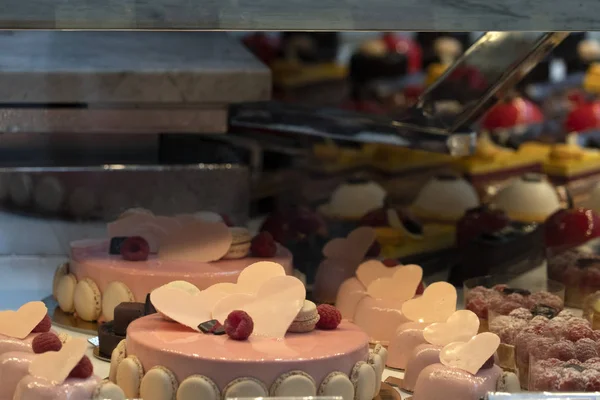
501	59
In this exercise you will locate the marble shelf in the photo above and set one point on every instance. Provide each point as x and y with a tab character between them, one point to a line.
415	15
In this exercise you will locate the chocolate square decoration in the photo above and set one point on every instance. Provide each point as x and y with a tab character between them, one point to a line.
115	245
211	326
148	306
220	330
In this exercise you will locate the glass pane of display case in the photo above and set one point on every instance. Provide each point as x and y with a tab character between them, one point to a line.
298	214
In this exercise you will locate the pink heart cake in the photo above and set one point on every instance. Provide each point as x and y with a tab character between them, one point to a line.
244	350
143	252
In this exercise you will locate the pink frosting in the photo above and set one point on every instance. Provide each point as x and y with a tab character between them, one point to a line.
14	366
408	336
8	344
379	318
422	356
90	259
438	382
32	388
155	341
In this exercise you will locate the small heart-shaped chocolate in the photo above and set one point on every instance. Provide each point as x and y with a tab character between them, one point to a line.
55	366
18	324
436	305
460	327
472	355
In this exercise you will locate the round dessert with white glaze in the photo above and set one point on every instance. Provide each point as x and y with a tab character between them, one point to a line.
529	198
445	198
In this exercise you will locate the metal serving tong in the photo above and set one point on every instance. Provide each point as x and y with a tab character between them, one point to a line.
500	60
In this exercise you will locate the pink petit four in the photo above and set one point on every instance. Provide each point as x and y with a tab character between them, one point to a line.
104	273
438	382
374	298
257	355
407	337
422	356
14	366
32	388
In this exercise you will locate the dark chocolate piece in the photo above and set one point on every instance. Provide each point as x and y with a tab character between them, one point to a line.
523	292
219	331
108	339
148	306
125	314
544	311
115	245
209	326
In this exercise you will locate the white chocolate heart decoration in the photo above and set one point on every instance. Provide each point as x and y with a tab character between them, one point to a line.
253	276
460	327
470	356
19	324
371	270
352	248
436	305
273	308
185	308
400	287
55	366
143	225
198	241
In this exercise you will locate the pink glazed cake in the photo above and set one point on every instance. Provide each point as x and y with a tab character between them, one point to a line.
421	357
94	282
302	364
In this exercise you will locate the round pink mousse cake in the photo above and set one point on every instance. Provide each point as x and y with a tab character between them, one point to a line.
95	281
318	355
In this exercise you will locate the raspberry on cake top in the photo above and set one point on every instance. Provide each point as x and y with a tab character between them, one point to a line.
256	337
144	251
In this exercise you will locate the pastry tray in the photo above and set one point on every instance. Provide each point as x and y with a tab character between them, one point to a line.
68	321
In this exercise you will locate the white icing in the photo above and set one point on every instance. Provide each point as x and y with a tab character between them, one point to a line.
129	376
65	291
337	384
49	194
355	199
446	198
364	380
245	387
535	199
107	390
158	384
119	353
378	365
87	300
198	387
295	383
114	294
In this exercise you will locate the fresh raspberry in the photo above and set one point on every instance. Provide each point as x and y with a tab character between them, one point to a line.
83	370
592	378
542	348
329	317
571	381
135	248
263	245
390	262
374	250
44	325
239	325
227	220
585	349
544	378
44	342
504	307
507	328
278	226
562	350
578	331
420	288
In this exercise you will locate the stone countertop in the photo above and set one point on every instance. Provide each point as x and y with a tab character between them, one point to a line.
409	15
129	68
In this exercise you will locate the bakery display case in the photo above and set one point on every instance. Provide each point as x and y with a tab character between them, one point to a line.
242	199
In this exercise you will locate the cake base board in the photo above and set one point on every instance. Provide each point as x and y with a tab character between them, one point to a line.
96	353
68	321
